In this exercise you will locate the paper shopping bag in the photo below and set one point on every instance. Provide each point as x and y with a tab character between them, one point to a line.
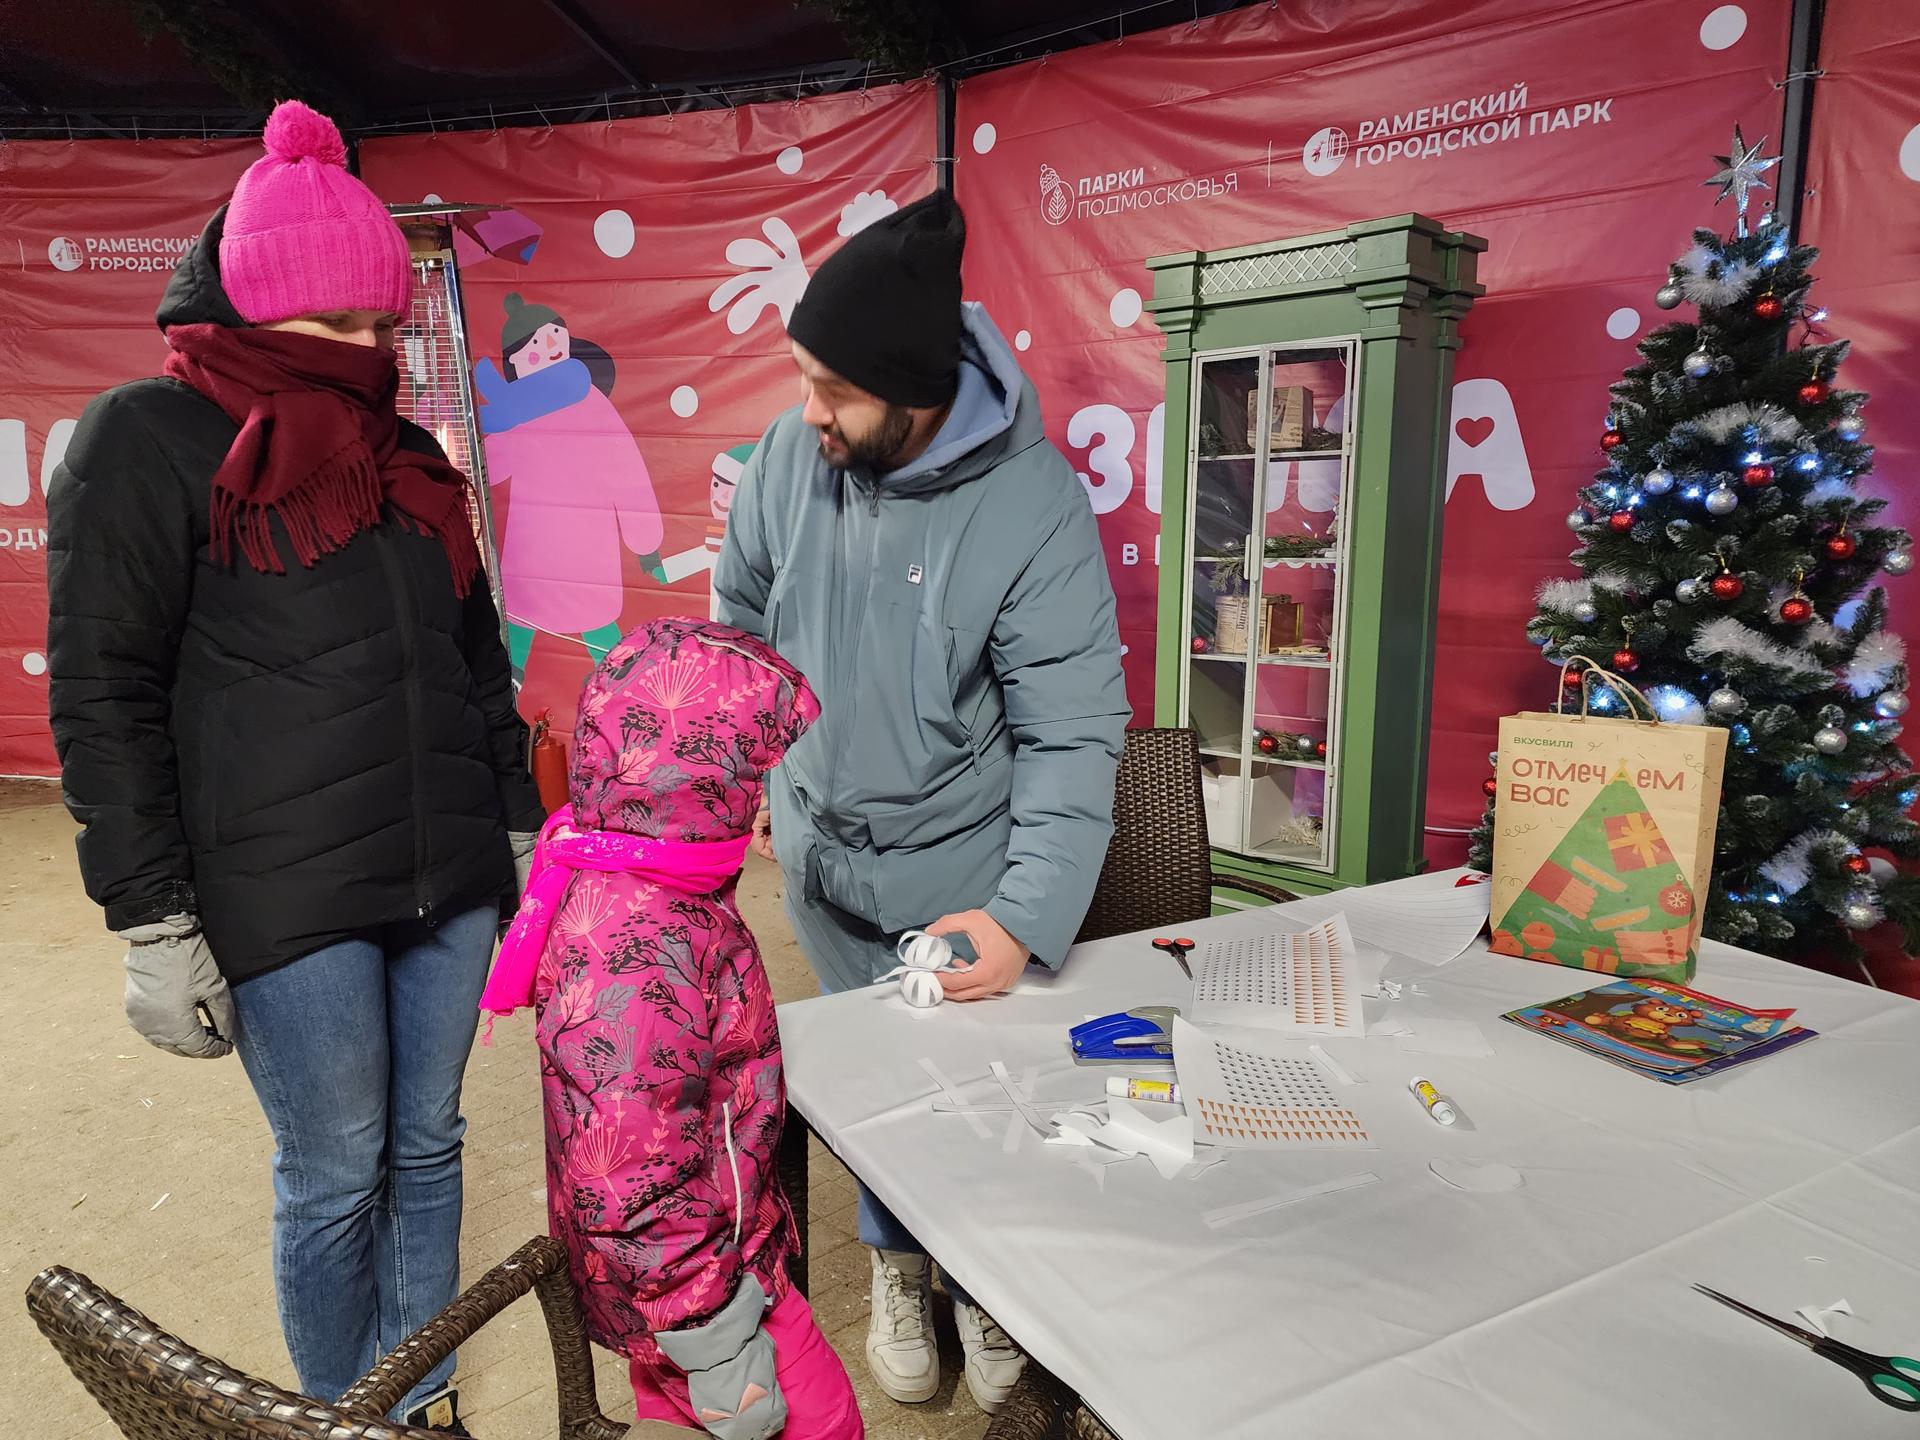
1603	837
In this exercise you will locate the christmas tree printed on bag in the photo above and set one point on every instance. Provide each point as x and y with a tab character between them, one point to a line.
1610	897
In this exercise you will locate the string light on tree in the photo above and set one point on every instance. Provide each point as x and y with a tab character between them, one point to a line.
1850	428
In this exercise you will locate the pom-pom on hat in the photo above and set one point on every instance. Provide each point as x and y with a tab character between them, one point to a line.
304	237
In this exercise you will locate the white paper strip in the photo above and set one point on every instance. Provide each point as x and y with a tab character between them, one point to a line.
954	1097
1227	1214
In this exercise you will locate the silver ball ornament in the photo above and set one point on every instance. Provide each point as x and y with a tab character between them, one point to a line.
1726	702
1858	915
1689	591
1657	481
1880	868
1892	704
1898	562
1668	295
1699	364
1849	427
1577	520
1586	612
1722	502
1829	739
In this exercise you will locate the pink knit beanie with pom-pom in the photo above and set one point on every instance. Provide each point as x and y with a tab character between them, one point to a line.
304	237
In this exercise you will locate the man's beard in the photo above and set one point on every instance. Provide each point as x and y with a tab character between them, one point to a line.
876	450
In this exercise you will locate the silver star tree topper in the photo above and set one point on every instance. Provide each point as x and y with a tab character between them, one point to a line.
1741	172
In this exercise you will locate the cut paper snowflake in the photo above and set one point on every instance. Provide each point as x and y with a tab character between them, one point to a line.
775	277
865	208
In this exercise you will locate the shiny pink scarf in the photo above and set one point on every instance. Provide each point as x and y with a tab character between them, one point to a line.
683	866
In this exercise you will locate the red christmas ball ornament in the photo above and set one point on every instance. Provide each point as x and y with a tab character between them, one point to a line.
1768	307
1490	787
1611	440
1814	391
1796	610
1727	588
1320	749
1858	865
1266	744
1621	521
1625	661
1840	547
1200	645
1570	679
1757	476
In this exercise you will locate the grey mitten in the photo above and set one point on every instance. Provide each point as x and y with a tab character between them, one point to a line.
730	1368
523	843
175	997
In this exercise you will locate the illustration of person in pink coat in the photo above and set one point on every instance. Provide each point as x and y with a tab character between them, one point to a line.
581	493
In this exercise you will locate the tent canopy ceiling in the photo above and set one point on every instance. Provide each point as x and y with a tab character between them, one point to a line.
186	66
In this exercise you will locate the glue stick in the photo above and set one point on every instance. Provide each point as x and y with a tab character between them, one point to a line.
1431	1100
1165	1091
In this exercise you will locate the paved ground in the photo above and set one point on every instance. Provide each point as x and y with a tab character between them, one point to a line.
149	1173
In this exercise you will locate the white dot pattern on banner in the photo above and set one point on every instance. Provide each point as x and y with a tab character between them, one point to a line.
1023	340
1623	323
34	663
613	233
1125	307
1272	1079
684	400
1247	972
984	136
1723	27
1910	154
789	160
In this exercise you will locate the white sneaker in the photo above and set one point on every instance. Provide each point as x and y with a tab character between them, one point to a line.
900	1346
994	1362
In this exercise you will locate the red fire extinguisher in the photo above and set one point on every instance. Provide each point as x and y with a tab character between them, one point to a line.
548	761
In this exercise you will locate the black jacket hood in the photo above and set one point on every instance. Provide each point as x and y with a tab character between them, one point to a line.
195	296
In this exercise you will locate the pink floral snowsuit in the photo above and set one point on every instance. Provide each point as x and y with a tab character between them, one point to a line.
659	1055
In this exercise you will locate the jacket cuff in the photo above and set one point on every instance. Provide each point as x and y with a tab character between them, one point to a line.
177	898
701	1347
1024	926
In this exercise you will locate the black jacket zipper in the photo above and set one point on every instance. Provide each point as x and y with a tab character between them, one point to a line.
404	621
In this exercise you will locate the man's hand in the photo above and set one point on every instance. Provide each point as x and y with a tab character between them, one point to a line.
1002	957
763	834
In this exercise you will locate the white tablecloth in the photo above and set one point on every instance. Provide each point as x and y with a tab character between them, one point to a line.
1408	1308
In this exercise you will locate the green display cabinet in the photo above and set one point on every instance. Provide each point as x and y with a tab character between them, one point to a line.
1308	404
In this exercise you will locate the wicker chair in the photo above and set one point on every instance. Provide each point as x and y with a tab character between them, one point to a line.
1159	869
156	1387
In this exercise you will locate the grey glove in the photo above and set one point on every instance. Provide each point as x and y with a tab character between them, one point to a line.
730	1368
523	842
175	997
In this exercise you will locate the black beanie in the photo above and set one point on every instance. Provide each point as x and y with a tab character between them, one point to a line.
522	321
883	311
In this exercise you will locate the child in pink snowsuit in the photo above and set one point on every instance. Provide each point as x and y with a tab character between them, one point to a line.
659	1055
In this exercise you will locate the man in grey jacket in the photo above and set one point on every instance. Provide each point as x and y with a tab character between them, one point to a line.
909	538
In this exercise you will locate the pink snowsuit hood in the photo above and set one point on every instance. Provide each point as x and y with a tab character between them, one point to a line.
659	1052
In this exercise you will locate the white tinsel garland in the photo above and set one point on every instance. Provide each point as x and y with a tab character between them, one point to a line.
1725	636
1769	422
1790	869
1613	580
1704	289
1677	706
1563	595
1829	489
1874	660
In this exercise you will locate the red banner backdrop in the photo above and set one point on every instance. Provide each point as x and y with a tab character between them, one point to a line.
89	233
1573	138
669	253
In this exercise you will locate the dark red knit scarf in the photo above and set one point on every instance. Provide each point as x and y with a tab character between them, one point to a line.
318	449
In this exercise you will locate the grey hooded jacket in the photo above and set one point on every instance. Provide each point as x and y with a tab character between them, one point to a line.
956	620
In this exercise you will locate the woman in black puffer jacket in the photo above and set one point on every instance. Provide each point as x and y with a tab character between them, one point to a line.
285	721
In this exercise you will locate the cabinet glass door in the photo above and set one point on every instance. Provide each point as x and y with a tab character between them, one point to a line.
1271	460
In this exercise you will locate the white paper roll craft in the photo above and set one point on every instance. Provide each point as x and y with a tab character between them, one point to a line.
923	958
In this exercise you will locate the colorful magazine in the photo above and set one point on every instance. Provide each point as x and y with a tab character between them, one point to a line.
1668	1032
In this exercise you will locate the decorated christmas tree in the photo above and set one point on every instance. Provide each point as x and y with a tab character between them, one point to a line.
1727	557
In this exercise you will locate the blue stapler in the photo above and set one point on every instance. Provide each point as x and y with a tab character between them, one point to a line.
1144	1033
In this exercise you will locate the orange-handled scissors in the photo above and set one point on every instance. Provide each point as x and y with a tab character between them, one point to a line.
1893	1379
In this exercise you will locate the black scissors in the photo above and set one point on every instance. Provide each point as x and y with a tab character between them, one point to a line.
1179	949
1892	1379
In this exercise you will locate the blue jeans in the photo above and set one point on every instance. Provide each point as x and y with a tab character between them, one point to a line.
882	1230
357	1053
